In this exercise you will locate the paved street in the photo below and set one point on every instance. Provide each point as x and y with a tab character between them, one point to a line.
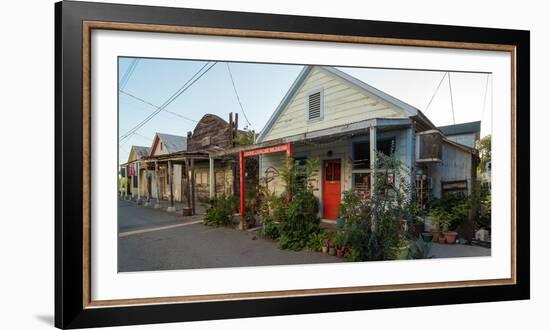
459	250
151	239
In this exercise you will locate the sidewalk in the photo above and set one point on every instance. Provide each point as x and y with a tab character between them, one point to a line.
199	207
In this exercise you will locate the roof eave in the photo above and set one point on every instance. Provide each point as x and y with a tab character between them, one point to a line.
284	102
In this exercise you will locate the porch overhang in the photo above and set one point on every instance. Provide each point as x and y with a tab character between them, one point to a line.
352	129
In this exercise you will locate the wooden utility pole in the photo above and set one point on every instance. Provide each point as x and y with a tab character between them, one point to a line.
235	129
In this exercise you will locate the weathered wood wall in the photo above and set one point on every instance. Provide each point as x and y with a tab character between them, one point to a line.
456	165
211	130
223	176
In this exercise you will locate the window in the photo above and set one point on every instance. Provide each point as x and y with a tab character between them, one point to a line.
361	152
315	103
361	182
135	181
332	171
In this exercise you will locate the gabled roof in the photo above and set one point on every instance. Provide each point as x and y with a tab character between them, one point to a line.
464	128
409	109
140	152
172	143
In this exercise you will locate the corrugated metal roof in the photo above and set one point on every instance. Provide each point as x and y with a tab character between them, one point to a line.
173	143
141	151
464	128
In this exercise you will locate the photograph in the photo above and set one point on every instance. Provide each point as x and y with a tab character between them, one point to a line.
250	164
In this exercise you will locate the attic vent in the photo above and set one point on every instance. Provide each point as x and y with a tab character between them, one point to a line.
314	105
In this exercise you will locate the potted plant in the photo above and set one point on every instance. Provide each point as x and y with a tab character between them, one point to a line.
458	213
324	246
339	243
450	236
401	250
418	226
441	219
427	237
420	249
331	248
324	237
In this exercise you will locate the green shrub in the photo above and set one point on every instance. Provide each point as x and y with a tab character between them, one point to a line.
452	210
421	249
314	242
372	228
270	230
298	215
220	211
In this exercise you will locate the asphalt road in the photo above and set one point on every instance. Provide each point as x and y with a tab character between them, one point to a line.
151	239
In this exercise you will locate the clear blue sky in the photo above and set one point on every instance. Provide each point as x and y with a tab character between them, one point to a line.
262	86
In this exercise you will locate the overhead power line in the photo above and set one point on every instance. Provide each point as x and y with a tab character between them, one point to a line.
237	94
171	99
485	97
451	93
435	92
128	74
157	107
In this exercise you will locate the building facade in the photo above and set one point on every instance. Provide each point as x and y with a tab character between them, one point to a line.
342	121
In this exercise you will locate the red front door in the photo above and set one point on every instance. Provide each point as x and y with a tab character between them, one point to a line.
331	188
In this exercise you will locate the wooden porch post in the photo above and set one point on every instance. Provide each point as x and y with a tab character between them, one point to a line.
241	188
126	182
157	183
182	183
193	185
171	208
372	144
212	179
188	178
148	185
138	182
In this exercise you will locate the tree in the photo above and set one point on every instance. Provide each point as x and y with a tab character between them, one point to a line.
245	138
484	148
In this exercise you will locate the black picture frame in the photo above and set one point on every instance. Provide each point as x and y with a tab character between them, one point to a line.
70	310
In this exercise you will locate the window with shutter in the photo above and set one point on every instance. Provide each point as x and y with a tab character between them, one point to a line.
315	104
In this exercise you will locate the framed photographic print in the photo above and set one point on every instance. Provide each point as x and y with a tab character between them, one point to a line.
218	164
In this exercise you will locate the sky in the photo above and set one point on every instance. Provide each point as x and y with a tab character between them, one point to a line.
261	87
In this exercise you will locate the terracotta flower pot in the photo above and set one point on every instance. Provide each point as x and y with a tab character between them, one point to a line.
450	237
